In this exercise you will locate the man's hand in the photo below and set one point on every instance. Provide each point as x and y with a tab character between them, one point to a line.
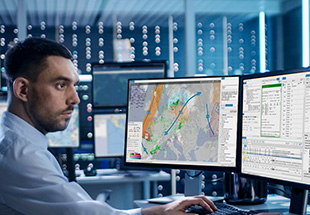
179	207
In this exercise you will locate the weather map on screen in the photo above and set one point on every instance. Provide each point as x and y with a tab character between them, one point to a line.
109	134
185	121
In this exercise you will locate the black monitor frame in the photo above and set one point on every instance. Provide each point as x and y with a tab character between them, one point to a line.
236	168
299	190
124	65
261	75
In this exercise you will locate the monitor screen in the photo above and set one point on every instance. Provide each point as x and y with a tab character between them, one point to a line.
183	122
70	137
109	134
3	107
3	87
110	80
276	126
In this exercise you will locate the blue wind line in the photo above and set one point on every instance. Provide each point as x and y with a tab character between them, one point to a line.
208	118
197	94
144	149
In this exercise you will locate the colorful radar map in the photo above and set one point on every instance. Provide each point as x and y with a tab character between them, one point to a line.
174	122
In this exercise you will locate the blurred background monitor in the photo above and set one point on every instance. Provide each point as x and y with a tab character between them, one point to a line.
109	134
3	87
3	107
110	80
70	137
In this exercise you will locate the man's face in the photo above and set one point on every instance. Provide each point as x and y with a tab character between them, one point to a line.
52	96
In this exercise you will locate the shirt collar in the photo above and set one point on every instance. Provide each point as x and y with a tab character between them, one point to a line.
25	129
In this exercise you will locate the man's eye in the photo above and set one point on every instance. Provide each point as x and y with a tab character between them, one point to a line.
60	85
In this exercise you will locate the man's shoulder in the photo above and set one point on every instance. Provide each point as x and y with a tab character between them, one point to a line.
9	138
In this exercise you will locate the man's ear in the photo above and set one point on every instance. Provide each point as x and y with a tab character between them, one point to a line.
20	88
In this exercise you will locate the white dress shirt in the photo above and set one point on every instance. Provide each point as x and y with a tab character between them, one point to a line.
31	180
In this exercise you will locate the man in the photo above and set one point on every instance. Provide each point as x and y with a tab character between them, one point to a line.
41	97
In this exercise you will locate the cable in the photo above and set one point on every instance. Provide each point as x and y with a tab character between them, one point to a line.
281	190
215	179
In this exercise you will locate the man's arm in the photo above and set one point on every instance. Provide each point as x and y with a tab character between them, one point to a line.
179	207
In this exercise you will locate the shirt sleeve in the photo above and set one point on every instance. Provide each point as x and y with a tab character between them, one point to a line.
32	182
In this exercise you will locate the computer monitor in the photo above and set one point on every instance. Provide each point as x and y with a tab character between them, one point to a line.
68	138
183	123
276	129
110	80
109	134
3	87
3	107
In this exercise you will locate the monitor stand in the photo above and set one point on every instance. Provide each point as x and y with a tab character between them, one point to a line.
193	181
299	199
70	164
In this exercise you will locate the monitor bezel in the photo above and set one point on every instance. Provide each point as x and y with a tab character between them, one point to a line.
236	168
105	112
265	178
123	64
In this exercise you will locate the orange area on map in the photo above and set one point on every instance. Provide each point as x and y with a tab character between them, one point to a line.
156	95
184	116
214	116
216	96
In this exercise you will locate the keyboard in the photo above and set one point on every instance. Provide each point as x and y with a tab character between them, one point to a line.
222	209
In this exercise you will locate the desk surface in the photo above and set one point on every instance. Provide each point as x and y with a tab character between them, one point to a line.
274	203
116	176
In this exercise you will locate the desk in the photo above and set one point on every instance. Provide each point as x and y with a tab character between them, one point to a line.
274	203
126	187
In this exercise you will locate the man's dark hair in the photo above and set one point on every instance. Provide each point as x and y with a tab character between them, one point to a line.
27	59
